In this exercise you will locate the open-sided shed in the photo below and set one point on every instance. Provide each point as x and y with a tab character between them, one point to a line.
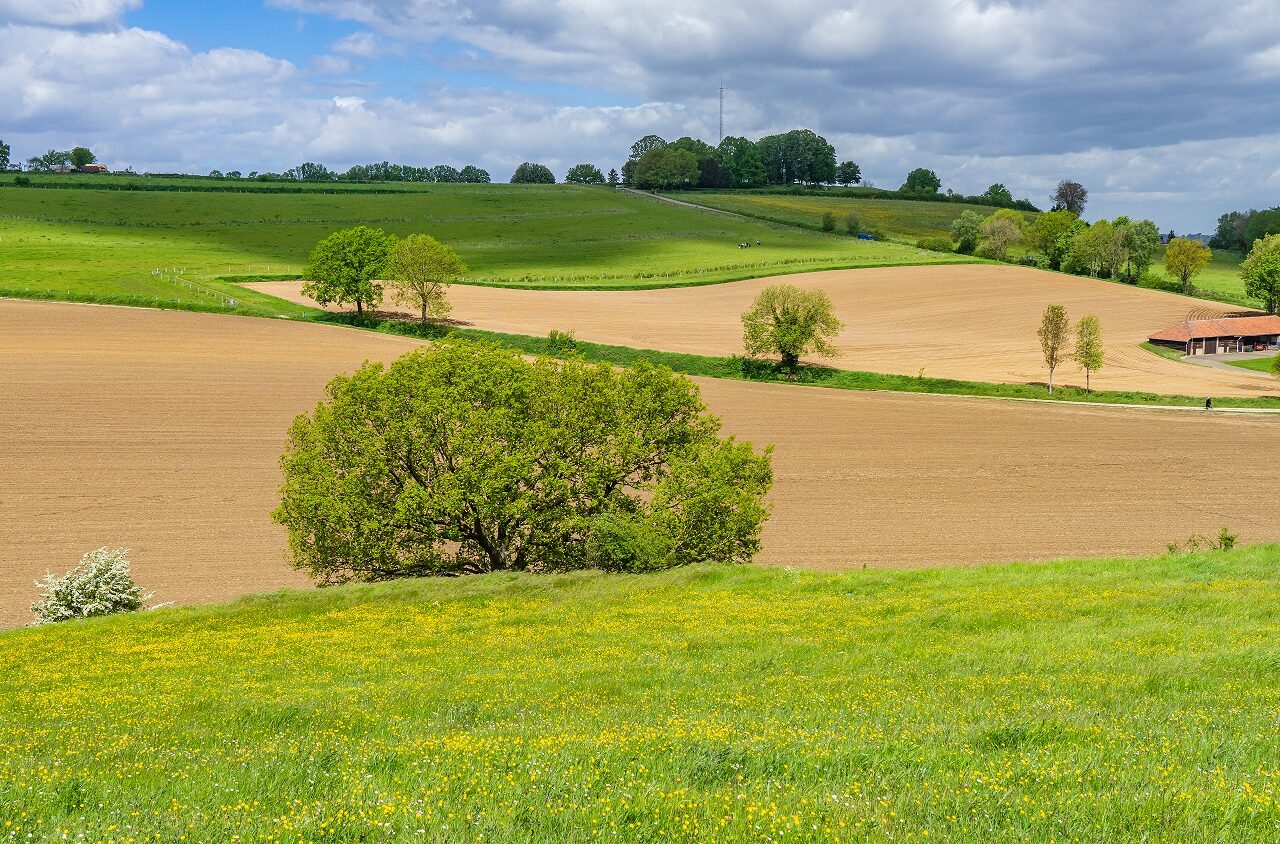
1221	336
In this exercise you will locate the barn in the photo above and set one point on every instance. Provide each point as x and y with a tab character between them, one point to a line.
1221	336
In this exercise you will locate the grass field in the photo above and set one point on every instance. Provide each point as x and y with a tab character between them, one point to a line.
1257	365
899	218
1220	280
1110	700
81	243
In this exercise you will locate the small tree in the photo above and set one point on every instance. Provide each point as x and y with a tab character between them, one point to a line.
965	231
419	272
4	156
82	156
848	173
467	458
789	322
852	224
529	173
345	265
474	175
1184	259
999	232
1070	196
921	182
584	174
1261	272
997	194
1055	334
1045	235
1088	352
828	221
100	585
613	178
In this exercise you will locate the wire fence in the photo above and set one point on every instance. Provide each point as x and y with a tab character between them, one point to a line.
174	276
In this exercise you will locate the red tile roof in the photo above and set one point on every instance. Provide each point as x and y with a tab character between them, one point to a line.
1195	329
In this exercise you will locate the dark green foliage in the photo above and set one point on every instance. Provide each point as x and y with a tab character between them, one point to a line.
584	174
81	156
921	182
667	167
935	244
848	173
999	195
468	458
533	174
740	163
345	266
800	155
966	230
852	225
828	221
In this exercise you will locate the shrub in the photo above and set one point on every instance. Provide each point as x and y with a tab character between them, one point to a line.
935	244
828	221
561	343
22	181
790	321
99	585
852	225
467	458
1199	542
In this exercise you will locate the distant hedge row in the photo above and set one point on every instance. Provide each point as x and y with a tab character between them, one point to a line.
188	188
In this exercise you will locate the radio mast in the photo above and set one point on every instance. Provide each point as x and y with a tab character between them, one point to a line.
721	108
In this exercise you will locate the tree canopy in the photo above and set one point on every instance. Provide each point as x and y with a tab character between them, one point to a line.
790	321
82	156
1070	196
419	272
921	182
666	167
467	458
998	194
1261	272
345	266
740	163
999	232
533	174
965	231
848	173
1185	258
800	155
1046	234
584	174
1054	334
4	156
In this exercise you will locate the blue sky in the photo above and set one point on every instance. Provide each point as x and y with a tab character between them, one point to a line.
1163	109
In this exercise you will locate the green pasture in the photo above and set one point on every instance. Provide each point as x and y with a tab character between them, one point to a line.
1106	700
83	243
898	218
1220	280
1256	364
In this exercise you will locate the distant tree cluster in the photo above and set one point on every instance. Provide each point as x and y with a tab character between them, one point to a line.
380	172
533	174
1238	230
51	160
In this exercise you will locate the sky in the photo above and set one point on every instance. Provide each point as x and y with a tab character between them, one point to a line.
1168	110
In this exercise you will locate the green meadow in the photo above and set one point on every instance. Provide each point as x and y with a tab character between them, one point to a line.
1105	700
898	218
86	242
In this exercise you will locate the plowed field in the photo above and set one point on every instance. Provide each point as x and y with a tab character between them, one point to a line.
161	431
975	323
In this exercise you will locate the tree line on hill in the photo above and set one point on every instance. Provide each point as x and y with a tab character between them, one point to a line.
380	172
1237	231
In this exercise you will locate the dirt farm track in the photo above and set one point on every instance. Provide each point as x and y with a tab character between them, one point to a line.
160	431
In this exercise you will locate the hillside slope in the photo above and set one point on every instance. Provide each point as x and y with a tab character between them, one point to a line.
1099	701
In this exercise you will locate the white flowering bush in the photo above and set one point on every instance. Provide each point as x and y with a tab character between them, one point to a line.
99	585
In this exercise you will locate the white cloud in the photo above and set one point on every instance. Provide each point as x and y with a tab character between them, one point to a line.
70	13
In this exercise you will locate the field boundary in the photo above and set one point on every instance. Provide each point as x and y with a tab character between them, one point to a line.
731	368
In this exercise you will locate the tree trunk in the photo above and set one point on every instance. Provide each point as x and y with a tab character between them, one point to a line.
790	361
1051	380
424	312
359	308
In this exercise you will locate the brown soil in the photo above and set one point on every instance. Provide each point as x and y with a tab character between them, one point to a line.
160	431
973	322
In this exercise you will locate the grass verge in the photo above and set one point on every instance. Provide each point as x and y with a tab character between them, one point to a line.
1257	364
1106	700
739	368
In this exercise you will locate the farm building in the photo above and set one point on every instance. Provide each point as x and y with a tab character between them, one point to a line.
1221	336
94	168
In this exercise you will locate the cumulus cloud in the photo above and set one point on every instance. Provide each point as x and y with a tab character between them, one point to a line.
1160	108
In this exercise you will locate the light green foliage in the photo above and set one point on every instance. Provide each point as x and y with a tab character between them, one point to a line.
1096	251
921	181
1120	701
1261	272
419	272
935	244
1184	258
789	321
584	174
468	458
1088	351
999	232
1045	234
529	173
852	225
345	267
1054	334
99	585
966	230
667	167
828	221
1140	242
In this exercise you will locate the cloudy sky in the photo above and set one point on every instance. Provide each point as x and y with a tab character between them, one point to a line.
1162	109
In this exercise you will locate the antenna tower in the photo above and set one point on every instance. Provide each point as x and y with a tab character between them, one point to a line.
722	108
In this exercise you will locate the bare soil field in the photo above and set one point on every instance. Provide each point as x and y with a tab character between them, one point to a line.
160	431
974	323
